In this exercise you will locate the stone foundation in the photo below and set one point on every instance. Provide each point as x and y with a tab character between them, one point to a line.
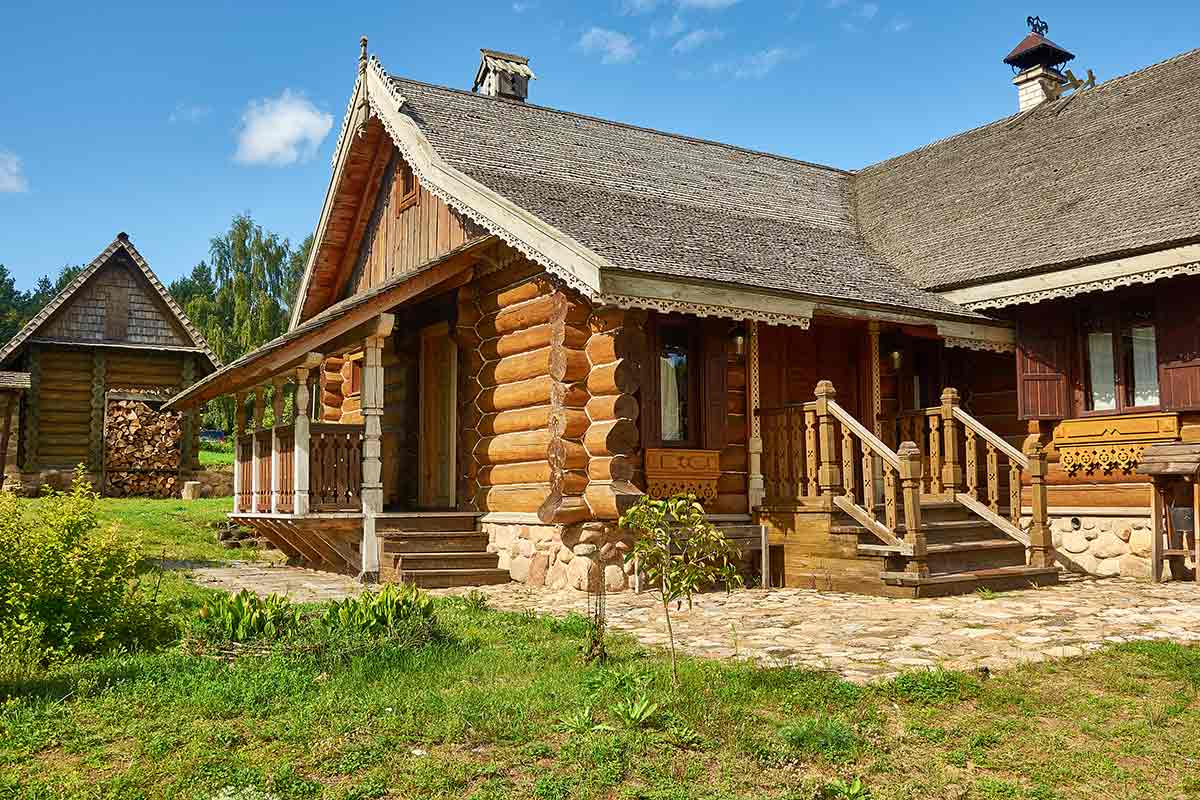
213	482
1106	546
562	556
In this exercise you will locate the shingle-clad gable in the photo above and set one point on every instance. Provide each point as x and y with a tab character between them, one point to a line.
1106	172
669	205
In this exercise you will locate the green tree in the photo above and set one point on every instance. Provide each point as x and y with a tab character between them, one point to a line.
679	552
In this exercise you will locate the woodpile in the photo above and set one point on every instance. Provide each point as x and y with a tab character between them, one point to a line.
141	450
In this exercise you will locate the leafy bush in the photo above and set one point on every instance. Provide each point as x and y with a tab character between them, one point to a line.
246	616
393	608
66	586
215	446
636	712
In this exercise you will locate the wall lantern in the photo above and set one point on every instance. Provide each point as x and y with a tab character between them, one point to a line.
737	336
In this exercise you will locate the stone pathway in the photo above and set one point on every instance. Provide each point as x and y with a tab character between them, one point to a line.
862	638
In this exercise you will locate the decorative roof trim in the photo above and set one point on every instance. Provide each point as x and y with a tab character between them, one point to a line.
702	310
121	242
1105	276
673	296
980	344
578	266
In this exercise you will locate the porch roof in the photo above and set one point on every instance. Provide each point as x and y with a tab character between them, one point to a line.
292	348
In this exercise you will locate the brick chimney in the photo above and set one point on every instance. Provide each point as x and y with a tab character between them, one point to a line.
503	75
1038	63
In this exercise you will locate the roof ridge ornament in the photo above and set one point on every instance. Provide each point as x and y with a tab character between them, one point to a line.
364	104
1038	25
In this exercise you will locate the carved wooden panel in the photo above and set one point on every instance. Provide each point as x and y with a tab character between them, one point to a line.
671	471
1107	444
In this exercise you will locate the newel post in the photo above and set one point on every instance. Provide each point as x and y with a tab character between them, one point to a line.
1041	542
277	423
952	470
829	471
300	452
239	428
912	471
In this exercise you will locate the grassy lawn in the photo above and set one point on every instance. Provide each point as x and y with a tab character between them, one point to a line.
209	458
499	709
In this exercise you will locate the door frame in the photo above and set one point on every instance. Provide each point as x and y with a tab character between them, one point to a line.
439	330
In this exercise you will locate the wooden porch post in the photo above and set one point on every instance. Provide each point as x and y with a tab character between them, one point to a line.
757	487
372	449
260	406
1041	542
952	471
277	423
239	428
829	473
911	477
300	454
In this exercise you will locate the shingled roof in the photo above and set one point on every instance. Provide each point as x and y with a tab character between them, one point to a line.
1107	172
658	203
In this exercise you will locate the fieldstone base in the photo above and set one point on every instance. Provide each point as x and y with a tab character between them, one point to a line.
60	479
1105	546
562	556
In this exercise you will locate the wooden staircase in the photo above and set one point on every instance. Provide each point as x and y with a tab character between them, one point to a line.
963	554
436	550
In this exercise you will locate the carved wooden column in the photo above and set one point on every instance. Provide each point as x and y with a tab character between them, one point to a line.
876	379
1041	542
829	471
754	447
239	428
260	406
952	471
302	414
911	477
372	461
277	422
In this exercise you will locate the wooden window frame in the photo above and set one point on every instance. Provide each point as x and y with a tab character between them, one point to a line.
355	382
1115	314
652	428
405	198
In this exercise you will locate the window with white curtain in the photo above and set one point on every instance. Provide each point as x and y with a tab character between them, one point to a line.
674	393
1120	358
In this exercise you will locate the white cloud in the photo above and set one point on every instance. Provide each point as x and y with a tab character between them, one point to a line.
188	113
613	47
12	180
281	131
638	6
756	65
672	28
868	10
706	4
695	39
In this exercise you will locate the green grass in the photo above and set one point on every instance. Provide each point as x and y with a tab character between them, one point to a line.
209	458
496	711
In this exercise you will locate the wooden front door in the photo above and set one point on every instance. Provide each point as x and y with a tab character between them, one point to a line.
436	438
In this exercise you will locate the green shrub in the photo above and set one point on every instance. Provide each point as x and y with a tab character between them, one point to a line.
66	586
393	608
246	616
214	446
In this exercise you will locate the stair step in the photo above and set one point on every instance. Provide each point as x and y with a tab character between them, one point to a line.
445	560
419	521
942	549
444	578
997	579
404	542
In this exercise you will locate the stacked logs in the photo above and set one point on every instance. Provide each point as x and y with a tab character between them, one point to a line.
141	450
616	350
524	418
332	388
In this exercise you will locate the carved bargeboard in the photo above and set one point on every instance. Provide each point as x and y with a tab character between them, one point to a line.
670	471
1109	444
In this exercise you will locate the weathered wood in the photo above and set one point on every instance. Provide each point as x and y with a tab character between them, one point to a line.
572	421
910	488
558	362
609	500
612	468
96	435
532	392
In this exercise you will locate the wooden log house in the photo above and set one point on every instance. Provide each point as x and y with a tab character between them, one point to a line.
113	332
516	321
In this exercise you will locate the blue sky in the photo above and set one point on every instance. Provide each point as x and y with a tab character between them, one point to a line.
164	120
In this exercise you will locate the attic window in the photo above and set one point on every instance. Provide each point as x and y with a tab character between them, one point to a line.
406	186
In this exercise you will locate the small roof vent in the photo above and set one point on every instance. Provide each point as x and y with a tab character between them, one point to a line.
503	75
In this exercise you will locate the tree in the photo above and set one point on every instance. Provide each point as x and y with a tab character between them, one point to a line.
679	552
17	307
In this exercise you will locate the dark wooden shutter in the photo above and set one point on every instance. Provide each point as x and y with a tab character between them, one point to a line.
1045	344
1178	340
716	369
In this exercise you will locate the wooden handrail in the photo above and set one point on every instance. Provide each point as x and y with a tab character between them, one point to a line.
871	440
989	436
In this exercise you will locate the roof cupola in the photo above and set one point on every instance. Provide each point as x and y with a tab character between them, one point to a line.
503	75
1038	63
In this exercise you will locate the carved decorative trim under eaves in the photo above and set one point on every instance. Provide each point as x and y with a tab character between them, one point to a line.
1105	285
701	310
978	344
492	226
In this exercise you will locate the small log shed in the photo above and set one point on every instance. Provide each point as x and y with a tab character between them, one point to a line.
115	328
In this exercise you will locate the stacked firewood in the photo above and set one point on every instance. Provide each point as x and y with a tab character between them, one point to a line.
141	450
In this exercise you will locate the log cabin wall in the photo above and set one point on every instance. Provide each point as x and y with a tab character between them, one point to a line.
792	360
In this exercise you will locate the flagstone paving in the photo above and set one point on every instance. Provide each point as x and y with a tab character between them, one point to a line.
862	638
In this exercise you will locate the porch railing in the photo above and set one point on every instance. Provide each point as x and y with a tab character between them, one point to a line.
817	449
267	470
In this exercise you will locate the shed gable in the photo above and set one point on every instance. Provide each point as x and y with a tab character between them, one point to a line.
117	304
